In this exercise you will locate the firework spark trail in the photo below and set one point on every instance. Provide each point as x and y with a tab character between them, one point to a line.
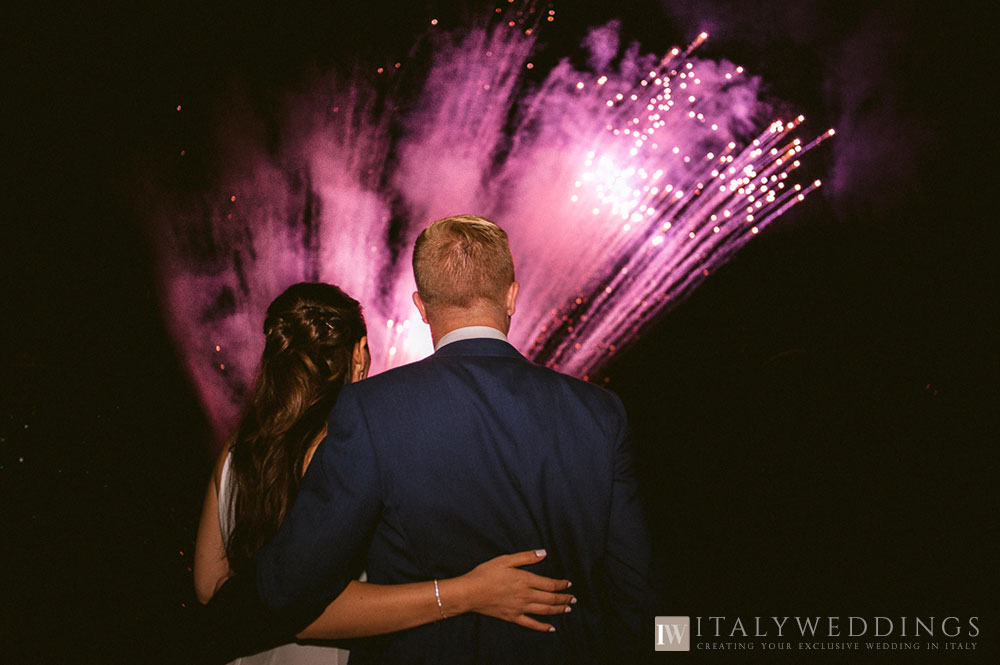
621	190
671	250
669	193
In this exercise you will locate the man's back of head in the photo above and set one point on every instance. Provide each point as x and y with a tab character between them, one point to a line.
465	275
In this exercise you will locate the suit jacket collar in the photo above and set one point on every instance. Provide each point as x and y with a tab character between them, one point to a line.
480	346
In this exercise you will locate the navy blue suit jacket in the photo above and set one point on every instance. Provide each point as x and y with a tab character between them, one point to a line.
432	468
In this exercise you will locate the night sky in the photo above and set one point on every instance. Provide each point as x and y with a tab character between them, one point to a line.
814	426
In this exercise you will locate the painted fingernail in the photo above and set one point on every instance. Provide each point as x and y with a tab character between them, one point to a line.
572	600
552	629
539	553
569	584
568	609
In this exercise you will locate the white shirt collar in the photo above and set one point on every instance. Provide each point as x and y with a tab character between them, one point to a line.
470	332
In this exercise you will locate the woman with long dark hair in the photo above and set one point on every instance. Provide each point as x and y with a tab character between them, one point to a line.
316	343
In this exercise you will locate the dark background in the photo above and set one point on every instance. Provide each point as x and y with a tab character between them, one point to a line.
814	427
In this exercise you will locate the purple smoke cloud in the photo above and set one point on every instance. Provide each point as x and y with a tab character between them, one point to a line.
622	187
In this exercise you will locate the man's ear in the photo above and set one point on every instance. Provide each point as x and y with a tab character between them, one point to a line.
421	307
358	354
511	298
360	360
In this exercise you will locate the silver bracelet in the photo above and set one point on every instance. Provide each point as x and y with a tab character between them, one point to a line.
437	594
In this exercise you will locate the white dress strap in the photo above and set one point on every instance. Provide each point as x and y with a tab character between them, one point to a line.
225	498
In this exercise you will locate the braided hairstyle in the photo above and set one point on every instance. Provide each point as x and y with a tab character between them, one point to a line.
311	330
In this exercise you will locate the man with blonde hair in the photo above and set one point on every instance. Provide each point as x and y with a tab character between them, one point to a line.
433	467
465	276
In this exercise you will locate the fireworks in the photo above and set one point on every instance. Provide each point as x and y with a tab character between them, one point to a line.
621	189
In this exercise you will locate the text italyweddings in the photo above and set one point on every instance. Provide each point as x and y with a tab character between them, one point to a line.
879	632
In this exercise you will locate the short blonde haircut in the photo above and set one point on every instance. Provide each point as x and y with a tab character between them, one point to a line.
463	262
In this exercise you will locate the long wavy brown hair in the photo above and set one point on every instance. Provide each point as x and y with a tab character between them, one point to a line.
311	330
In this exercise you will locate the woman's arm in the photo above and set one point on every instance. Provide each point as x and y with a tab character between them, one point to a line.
211	567
496	588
